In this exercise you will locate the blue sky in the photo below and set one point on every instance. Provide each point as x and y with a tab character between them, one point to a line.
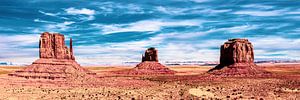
116	31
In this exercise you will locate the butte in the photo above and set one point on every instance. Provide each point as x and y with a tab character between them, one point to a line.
56	61
237	58
149	65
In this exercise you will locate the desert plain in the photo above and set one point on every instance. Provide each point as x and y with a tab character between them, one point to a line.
189	82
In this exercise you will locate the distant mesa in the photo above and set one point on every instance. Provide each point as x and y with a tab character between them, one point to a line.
56	60
237	58
150	55
150	65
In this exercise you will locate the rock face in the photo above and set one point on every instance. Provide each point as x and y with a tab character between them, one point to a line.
236	51
150	55
149	65
53	46
237	58
56	60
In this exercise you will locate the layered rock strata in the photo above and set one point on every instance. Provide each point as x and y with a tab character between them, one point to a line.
149	65
237	58
56	60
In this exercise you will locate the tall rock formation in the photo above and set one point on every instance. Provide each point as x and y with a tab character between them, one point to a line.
56	60
150	55
53	46
149	65
237	57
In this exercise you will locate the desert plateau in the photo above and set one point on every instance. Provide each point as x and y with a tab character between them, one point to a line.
149	49
189	83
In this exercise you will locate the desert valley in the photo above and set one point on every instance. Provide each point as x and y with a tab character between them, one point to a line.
57	75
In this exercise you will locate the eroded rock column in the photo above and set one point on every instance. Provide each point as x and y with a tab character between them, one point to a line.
53	46
236	51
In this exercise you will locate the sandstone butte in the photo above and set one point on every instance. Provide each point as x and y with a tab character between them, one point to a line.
149	65
56	60
237	58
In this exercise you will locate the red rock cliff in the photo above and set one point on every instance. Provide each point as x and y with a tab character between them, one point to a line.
56	60
53	46
150	55
237	58
236	51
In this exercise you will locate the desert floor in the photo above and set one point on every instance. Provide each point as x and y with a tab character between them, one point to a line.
186	84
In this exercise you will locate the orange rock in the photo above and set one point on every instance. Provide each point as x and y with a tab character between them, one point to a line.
149	65
53	46
237	58
150	55
56	60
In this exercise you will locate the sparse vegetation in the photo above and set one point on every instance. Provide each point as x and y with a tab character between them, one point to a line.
188	85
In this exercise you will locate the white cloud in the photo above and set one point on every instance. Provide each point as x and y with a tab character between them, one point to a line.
36	31
6	29
18	40
264	13
49	14
17	48
145	26
84	14
53	14
120	8
239	29
186	52
275	43
42	21
261	13
208	11
171	10
190	10
59	26
258	6
277	55
276	26
234	29
84	11
200	1
294	12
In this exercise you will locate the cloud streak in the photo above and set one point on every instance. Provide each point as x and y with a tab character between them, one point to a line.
82	11
145	26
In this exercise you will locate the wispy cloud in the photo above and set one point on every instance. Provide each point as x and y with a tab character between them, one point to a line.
49	14
18	40
120	8
258	6
200	1
239	29
19	48
190	10
260	13
59	26
145	26
42	21
280	43
56	15
83	11
171	10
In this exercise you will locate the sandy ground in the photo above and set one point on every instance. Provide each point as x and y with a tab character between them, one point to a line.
188	83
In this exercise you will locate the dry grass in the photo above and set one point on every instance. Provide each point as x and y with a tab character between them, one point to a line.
9	69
